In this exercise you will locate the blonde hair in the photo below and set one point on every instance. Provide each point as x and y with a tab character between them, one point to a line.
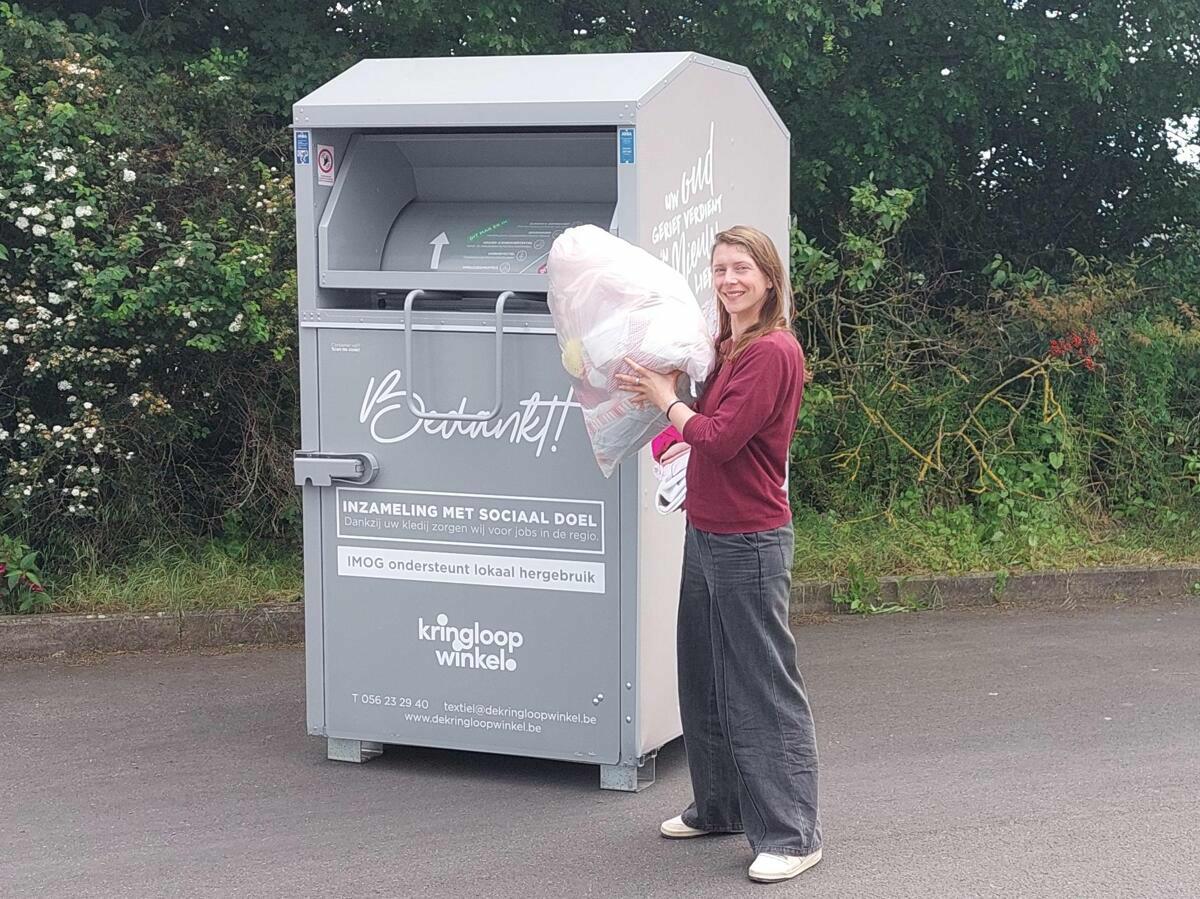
776	313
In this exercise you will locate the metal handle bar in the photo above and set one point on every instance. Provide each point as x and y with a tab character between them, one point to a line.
408	365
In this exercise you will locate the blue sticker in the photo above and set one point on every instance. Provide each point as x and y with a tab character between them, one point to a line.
625	145
303	157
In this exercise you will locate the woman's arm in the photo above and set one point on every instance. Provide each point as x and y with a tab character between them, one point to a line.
747	403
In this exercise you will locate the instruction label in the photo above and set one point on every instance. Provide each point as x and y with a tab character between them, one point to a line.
509	245
544	524
625	145
303	155
562	575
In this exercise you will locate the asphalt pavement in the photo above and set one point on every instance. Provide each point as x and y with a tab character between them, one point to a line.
1020	753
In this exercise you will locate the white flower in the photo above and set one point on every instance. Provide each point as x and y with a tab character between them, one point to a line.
99	447
22	222
222	77
56	154
95	469
83	211
128	175
39	230
56	429
12	324
27	491
74	491
70	171
31	210
50	173
87	405
237	323
180	261
191	323
28	189
53	298
3	434
134	399
67	223
64	385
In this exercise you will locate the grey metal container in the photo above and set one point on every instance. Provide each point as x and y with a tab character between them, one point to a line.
471	580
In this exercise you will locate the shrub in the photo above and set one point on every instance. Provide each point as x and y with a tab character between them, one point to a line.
20	578
145	342
1032	400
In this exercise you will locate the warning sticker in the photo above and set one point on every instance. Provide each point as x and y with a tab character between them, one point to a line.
325	173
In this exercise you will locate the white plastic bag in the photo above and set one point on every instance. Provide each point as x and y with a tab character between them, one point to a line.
672	483
609	300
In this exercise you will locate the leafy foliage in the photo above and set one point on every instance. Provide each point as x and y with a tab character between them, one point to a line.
147	312
21	587
1044	400
971	179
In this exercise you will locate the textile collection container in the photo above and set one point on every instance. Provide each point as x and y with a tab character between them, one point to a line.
472	582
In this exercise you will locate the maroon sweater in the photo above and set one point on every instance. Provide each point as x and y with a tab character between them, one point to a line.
741	436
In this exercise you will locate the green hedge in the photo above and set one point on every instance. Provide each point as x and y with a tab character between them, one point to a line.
147	293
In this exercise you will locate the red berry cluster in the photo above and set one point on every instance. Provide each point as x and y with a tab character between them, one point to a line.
1077	343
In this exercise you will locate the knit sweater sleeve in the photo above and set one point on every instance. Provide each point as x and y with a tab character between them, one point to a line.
748	403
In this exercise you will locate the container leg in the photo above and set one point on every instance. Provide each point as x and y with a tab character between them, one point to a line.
629	777
340	750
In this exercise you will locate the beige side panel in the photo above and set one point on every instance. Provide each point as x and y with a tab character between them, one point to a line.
659	565
710	155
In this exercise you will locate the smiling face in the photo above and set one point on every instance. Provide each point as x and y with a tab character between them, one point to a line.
740	284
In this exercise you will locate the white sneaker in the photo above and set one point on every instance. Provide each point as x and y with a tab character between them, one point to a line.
675	829
771	868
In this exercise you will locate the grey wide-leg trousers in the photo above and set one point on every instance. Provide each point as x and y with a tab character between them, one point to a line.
747	725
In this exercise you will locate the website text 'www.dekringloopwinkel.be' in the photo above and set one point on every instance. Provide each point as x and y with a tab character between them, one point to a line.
501	718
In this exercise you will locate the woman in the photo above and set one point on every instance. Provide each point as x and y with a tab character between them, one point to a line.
747	725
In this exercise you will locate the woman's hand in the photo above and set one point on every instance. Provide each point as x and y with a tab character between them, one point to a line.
649	386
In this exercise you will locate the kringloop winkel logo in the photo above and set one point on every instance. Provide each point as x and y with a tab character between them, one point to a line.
467	645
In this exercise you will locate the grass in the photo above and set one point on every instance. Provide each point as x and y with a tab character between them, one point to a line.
954	543
182	577
178	578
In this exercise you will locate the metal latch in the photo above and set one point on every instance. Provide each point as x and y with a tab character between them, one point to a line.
322	469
